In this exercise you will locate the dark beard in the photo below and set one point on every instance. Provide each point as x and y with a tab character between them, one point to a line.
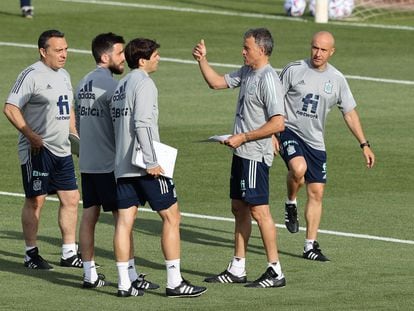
115	70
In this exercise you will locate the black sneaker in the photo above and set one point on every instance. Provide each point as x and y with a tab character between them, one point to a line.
98	283
268	279
185	289
73	262
27	12
141	283
291	218
132	291
36	261
315	253
225	277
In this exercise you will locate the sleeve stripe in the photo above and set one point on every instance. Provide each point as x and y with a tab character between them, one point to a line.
270	81
19	82
154	156
287	67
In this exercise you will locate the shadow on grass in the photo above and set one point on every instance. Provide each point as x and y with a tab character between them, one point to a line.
195	234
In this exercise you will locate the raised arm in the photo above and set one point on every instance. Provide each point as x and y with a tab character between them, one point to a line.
213	79
354	124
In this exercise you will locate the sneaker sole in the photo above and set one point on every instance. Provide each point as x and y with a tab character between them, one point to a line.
277	285
187	295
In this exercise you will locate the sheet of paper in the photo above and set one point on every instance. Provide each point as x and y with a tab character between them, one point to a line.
166	157
219	138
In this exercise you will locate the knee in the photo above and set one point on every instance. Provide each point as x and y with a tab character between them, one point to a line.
171	216
34	203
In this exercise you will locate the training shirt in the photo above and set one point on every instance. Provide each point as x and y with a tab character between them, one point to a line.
94	123
260	98
310	95
44	97
134	110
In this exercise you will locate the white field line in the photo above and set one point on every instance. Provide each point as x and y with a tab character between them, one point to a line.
232	13
216	218
184	61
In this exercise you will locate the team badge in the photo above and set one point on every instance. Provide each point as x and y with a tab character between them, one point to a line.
290	150
251	88
37	185
328	87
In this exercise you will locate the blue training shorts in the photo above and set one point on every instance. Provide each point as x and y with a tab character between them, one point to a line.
249	181
292	146
46	173
135	191
99	190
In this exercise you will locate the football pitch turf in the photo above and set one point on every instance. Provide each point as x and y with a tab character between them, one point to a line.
367	226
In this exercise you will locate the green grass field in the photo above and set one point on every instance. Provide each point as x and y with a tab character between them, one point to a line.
367	227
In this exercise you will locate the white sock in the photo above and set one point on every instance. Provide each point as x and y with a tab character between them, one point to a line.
173	273
291	201
237	266
124	282
28	248
277	268
308	245
68	250
132	272
89	271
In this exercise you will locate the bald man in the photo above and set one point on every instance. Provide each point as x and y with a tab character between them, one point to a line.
312	87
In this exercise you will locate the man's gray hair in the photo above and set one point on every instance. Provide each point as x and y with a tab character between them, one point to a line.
262	37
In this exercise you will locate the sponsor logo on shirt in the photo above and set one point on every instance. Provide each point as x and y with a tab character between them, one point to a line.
86	92
119	95
63	108
309	107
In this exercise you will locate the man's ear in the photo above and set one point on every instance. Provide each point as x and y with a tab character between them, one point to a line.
104	58
42	52
141	62
332	51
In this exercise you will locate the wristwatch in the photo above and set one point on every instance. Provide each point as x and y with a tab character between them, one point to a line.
366	144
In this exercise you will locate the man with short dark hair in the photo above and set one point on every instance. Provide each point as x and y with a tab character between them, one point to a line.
135	117
97	152
40	107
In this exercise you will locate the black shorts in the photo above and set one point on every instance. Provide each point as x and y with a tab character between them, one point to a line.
249	181
99	190
135	191
292	146
46	173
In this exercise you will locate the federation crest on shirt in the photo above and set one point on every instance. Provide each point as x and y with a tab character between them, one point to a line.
328	87
251	88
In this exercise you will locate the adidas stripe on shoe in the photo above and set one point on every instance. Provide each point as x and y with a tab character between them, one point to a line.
315	253
291	218
132	291
185	289
225	277
141	283
36	261
74	262
268	279
100	282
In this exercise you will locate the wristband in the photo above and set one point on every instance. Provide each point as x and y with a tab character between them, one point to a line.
366	144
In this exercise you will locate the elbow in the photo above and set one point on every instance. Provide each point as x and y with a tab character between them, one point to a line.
6	110
214	86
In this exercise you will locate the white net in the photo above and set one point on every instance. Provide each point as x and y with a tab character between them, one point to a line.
374	9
